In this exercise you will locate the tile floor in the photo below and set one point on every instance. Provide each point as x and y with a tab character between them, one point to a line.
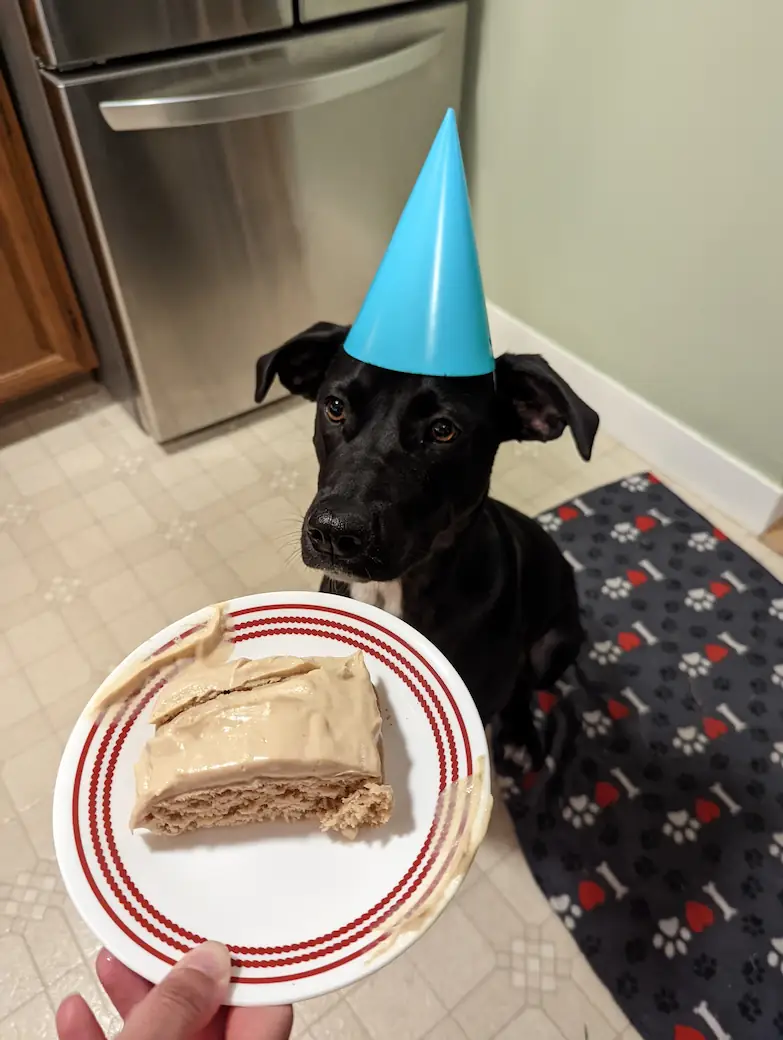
104	538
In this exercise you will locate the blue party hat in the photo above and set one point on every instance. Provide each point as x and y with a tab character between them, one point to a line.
425	311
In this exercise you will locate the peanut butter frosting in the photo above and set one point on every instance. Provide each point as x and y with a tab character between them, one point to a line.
291	718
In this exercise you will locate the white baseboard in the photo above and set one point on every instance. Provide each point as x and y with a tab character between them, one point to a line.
738	490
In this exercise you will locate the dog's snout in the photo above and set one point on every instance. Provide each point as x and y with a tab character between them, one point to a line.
343	535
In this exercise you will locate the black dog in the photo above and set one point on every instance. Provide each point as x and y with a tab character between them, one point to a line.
402	515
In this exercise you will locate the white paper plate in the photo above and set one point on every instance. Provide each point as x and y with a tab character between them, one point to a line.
302	912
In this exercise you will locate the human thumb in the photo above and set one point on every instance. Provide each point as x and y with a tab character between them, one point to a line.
186	1000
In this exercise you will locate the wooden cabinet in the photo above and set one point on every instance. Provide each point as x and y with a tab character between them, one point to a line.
43	338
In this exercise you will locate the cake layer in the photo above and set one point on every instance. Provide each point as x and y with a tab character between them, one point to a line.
318	725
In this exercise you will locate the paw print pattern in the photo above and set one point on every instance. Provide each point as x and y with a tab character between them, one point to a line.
702	541
694	665
595	724
776	846
580	812
568	911
636	483
671	937
776	609
625	532
689	740
776	754
550	522
617	588
699	600
775	955
681	826
605	652
777	675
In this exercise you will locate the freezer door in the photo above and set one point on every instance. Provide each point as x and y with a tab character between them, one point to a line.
85	32
317	10
241	197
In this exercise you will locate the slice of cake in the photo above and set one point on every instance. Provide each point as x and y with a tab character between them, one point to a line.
274	739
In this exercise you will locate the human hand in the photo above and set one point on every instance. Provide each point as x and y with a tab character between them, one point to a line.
186	1005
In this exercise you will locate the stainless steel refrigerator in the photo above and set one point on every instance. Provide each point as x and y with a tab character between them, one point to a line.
238	166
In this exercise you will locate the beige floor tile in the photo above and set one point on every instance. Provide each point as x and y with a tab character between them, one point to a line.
85	546
597	993
17	700
110	498
103	569
28	731
29	775
17	579
487	1008
17	854
8	662
81	459
85	939
33	1021
37	822
40	634
448	1029
631	1034
118	594
396	1003
500	838
195	493
341	1023
231	535
513	877
136	626
23	452
30	536
53	946
453	956
103	650
257	565
19	981
9	550
7	811
234	475
575	1015
164	572
533	1024
309	1011
183	600
37	478
58	674
65	519
492	914
129	525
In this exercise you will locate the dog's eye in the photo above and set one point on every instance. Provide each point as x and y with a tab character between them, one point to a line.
335	409
443	431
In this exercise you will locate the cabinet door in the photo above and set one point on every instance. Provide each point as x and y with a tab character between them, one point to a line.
43	337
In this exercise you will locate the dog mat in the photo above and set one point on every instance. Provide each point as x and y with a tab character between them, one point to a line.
659	842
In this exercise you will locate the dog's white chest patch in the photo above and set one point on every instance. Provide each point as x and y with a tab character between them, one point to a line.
384	594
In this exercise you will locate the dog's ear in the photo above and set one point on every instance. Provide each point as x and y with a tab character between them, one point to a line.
538	404
301	363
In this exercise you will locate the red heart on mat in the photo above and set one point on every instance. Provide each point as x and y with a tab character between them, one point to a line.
714	652
714	728
605	793
629	640
567	513
719	534
618	710
652	478
591	894
706	811
698	916
719	588
687	1033
636	577
546	701
645	523
529	781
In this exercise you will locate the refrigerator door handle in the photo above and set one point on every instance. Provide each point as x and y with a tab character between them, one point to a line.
155	113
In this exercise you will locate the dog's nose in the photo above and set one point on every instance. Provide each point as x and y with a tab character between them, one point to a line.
345	535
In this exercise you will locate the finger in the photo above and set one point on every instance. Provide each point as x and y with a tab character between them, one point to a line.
75	1021
124	988
267	1023
185	1000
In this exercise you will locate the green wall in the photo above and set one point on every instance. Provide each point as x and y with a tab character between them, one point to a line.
626	168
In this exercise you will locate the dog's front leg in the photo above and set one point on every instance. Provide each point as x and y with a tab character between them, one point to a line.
515	725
